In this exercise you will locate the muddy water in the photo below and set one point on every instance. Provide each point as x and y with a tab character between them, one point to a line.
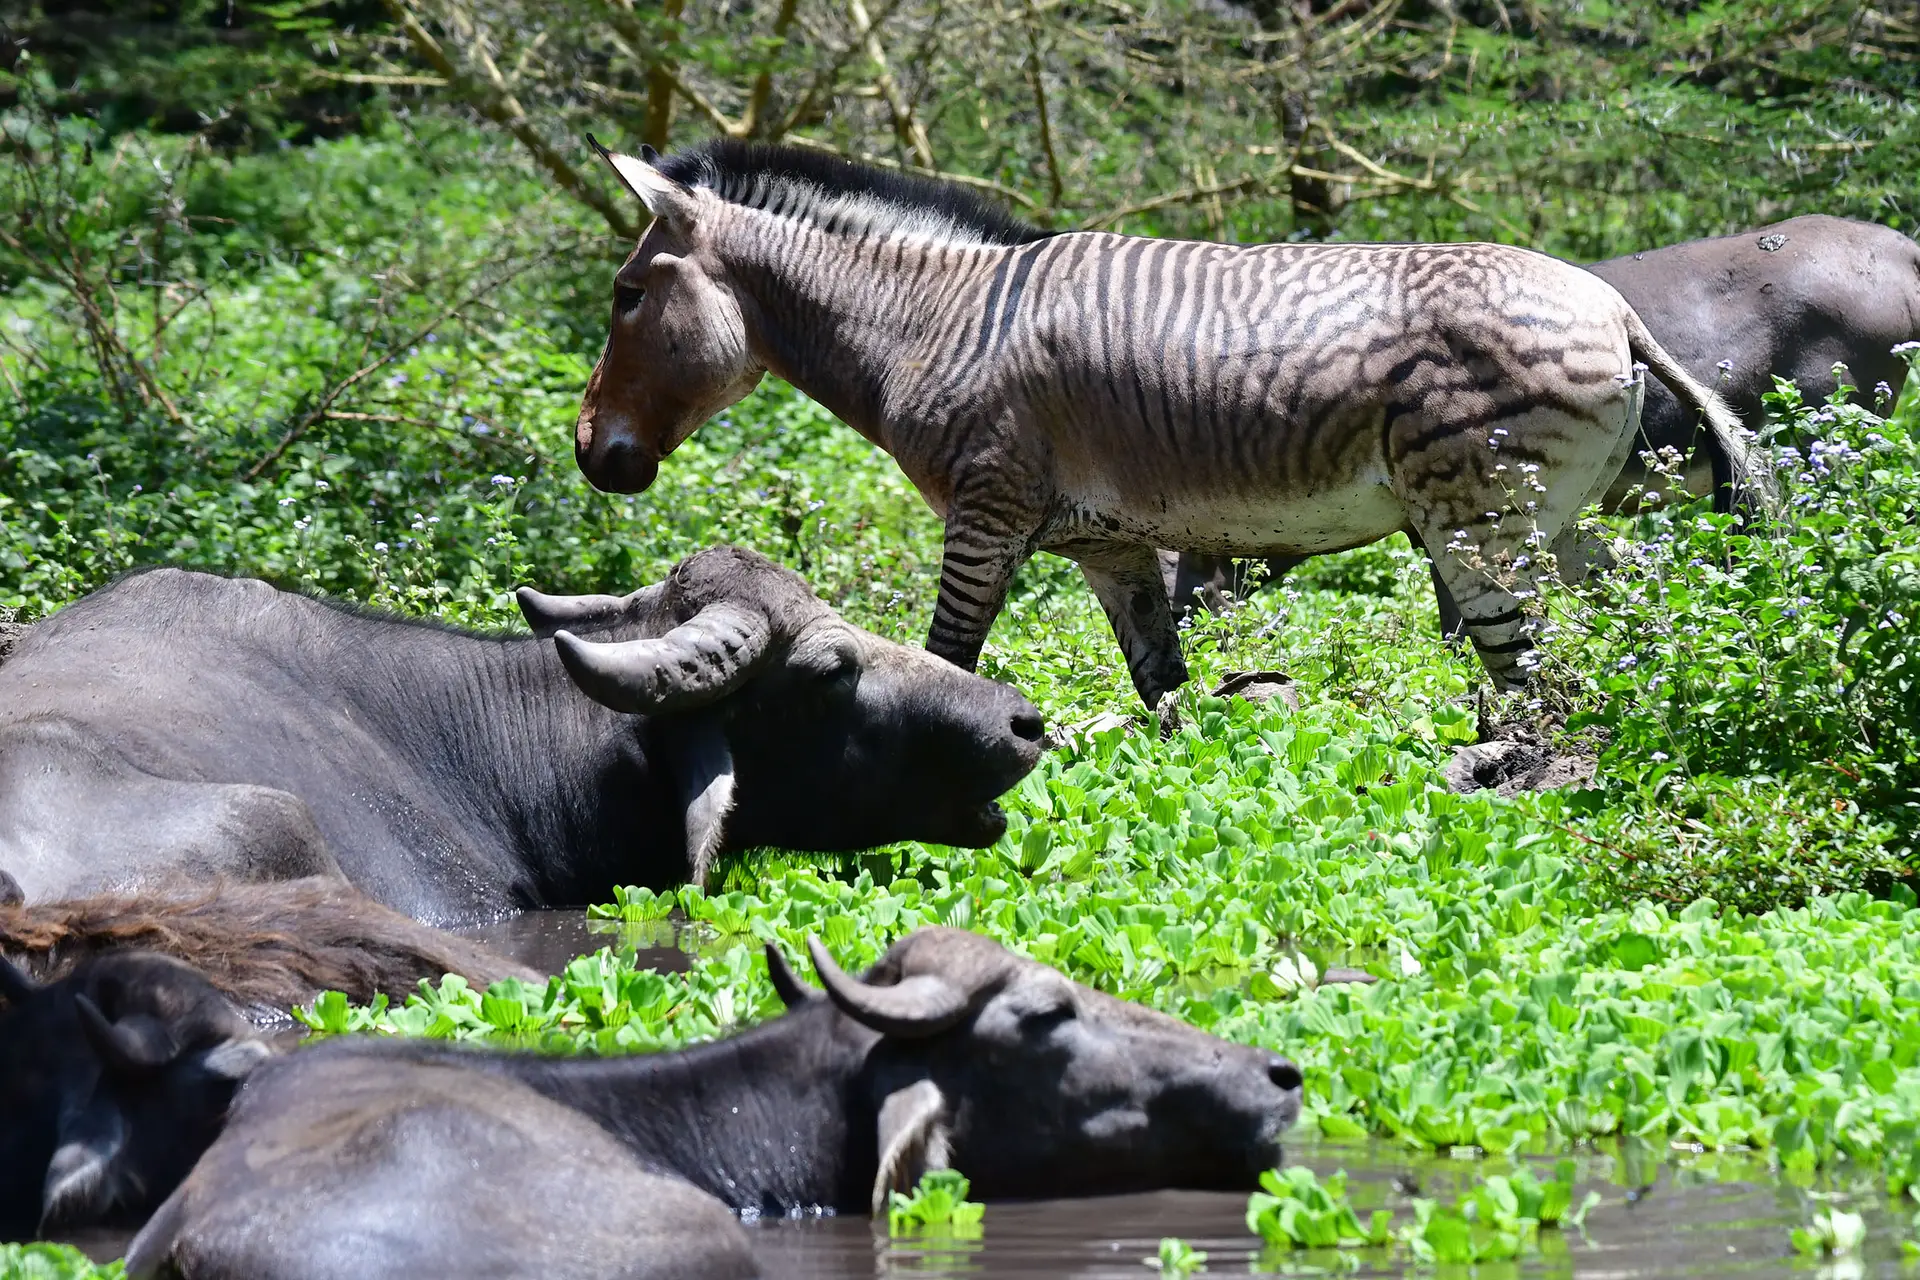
1679	1217
1663	1212
547	940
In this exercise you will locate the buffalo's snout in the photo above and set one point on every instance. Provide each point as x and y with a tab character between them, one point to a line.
1011	730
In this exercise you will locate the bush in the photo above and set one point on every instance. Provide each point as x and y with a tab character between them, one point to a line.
1756	683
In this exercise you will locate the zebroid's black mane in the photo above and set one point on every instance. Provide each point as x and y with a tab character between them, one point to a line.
840	195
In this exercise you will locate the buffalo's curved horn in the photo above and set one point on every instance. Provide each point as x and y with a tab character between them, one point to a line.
703	659
15	985
547	614
122	1050
786	983
923	1005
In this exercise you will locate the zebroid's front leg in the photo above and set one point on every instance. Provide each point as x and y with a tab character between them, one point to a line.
988	538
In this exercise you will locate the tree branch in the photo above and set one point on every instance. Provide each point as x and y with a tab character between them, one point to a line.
499	106
906	126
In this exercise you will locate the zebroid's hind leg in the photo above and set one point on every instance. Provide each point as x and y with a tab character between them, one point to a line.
1488	560
1130	588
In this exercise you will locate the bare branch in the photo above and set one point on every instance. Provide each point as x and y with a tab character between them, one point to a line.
912	134
499	106
762	91
1055	188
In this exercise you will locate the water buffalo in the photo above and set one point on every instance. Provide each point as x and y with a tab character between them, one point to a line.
113	1080
951	1051
361	1167
180	722
267	947
1791	299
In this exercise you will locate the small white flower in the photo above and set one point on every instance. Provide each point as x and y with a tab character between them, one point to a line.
287	502
501	482
1906	348
1660	755
381	547
1725	366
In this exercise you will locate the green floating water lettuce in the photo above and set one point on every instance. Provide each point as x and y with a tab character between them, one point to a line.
938	1202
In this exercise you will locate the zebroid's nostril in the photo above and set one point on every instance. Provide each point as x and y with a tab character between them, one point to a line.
1284	1074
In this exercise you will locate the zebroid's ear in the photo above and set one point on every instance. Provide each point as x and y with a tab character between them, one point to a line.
663	197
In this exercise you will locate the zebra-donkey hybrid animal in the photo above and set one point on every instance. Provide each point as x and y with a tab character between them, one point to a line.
1099	395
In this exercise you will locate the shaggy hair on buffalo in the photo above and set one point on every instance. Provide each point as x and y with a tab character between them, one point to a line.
266	946
839	195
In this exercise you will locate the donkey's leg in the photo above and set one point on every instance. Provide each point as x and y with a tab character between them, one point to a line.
1128	583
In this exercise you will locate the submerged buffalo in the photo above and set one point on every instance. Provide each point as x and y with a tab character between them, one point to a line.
184	723
1791	299
113	1080
951	1051
364	1167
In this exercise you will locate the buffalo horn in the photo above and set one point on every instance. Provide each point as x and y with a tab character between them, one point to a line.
122	1050
15	985
923	1005
701	660
547	614
786	983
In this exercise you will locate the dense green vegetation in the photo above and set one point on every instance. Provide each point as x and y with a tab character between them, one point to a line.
350	363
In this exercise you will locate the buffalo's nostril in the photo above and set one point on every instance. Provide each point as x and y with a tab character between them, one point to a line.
1028	725
1284	1074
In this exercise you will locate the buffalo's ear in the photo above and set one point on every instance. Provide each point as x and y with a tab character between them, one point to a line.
705	774
235	1059
82	1182
914	1138
663	197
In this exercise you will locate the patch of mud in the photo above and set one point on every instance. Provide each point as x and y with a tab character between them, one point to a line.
1260	686
1511	766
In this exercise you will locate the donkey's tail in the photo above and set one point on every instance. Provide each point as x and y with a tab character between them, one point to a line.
1751	481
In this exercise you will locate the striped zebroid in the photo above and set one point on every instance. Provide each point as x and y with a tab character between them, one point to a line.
1099	395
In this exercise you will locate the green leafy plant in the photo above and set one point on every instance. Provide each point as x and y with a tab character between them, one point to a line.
1177	1258
54	1262
1754	681
1833	1233
1496	1221
938	1203
1294	1209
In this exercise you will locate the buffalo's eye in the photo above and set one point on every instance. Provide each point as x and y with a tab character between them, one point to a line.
1038	1022
837	670
626	297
